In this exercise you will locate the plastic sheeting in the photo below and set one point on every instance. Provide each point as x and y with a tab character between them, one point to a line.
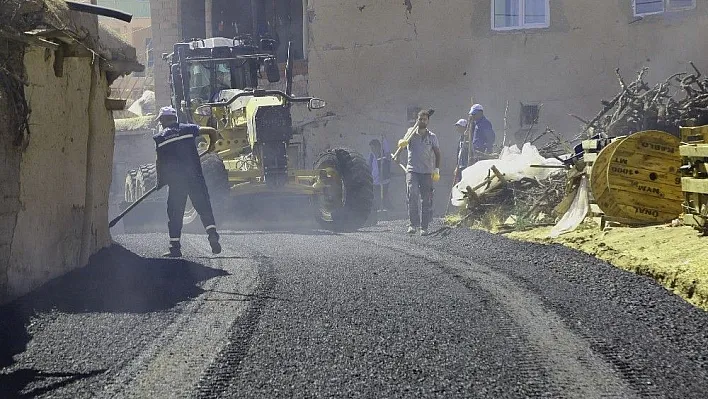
145	105
576	213
513	163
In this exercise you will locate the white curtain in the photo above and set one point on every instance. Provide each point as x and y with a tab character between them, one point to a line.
648	6
534	11
506	13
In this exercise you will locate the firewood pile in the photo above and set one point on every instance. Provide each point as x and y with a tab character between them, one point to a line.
515	205
680	100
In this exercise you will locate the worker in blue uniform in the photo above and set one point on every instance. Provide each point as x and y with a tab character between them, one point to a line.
179	167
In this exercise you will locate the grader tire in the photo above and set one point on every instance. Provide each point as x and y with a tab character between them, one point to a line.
146	180
130	186
149	216
350	209
216	177
217	181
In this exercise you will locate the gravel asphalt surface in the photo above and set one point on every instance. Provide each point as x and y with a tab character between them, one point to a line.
376	313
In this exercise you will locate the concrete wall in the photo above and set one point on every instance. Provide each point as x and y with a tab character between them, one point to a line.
371	60
63	176
9	189
166	16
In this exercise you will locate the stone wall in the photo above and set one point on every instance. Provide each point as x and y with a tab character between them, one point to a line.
9	189
61	179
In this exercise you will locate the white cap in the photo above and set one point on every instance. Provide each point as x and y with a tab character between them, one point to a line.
476	108
167	111
462	122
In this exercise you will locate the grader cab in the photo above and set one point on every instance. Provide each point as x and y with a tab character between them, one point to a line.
214	84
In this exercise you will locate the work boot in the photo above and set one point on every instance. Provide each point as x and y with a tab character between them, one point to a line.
214	241
174	252
412	230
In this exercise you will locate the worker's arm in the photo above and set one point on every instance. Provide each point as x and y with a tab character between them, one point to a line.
436	150
213	136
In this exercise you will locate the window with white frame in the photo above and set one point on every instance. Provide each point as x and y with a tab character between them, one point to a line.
648	7
520	14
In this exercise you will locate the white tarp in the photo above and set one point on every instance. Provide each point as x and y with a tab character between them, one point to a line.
513	163
577	212
145	105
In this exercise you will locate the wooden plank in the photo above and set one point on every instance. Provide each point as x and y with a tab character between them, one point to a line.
595	209
29	40
694	150
115	104
694	134
590	157
690	219
693	185
590	145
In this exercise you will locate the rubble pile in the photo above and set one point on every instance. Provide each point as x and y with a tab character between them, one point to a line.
515	205
680	100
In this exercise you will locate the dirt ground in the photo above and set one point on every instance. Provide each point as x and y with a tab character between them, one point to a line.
676	257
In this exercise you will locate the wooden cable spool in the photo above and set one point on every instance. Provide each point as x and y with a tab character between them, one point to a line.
637	178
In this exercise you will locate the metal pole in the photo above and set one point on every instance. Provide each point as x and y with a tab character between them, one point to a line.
255	15
208	19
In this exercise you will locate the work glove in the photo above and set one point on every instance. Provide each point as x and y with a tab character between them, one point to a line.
436	174
402	143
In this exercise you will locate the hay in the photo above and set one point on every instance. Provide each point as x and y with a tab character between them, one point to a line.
24	15
138	123
17	17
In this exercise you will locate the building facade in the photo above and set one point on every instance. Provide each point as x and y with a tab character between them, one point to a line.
377	62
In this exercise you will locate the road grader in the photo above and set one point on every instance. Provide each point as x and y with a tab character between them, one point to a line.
258	156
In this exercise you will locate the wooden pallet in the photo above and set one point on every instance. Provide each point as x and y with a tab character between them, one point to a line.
694	176
591	149
694	135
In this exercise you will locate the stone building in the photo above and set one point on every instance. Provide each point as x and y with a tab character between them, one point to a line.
56	139
377	62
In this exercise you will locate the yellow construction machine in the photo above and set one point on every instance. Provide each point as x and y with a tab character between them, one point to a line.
258	156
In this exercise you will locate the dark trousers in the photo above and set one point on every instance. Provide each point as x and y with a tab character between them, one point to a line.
420	192
197	191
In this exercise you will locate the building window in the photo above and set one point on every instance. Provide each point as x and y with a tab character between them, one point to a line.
520	14
529	114
412	113
649	7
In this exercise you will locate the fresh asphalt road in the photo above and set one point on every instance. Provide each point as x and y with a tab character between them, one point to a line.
376	314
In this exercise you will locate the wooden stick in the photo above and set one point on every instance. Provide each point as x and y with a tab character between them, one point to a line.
506	112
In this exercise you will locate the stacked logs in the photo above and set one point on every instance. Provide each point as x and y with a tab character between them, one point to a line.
680	100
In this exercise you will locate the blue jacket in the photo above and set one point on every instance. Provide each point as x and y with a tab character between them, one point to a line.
484	136
177	156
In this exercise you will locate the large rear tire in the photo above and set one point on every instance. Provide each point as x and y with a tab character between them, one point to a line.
150	215
217	181
346	203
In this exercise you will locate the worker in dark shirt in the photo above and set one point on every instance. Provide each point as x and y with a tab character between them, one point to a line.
483	136
462	149
179	167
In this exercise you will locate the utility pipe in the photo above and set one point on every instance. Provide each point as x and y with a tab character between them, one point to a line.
99	10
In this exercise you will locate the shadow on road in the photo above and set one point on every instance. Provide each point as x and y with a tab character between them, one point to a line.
13	385
115	281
